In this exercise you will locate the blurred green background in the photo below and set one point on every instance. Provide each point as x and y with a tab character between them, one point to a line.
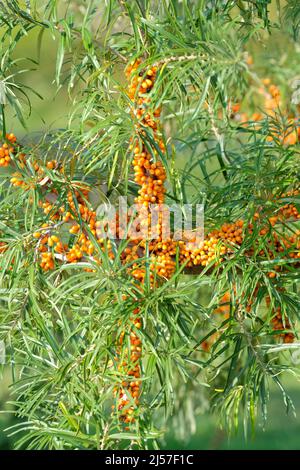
282	430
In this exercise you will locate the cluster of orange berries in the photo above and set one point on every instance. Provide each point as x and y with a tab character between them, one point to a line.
272	103
272	95
75	213
215	245
222	241
149	172
7	149
150	175
276	321
17	180
81	221
279	325
48	244
3	247
129	392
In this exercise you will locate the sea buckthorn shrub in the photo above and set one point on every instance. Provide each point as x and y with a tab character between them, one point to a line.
113	337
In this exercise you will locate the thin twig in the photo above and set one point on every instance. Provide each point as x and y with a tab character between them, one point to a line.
219	138
181	58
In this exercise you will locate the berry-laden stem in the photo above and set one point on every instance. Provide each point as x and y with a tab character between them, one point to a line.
150	175
129	366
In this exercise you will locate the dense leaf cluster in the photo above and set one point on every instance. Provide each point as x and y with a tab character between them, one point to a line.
60	328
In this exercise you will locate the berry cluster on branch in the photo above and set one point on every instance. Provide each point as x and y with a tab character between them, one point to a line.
273	108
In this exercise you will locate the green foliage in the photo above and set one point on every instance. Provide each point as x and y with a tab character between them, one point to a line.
61	328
